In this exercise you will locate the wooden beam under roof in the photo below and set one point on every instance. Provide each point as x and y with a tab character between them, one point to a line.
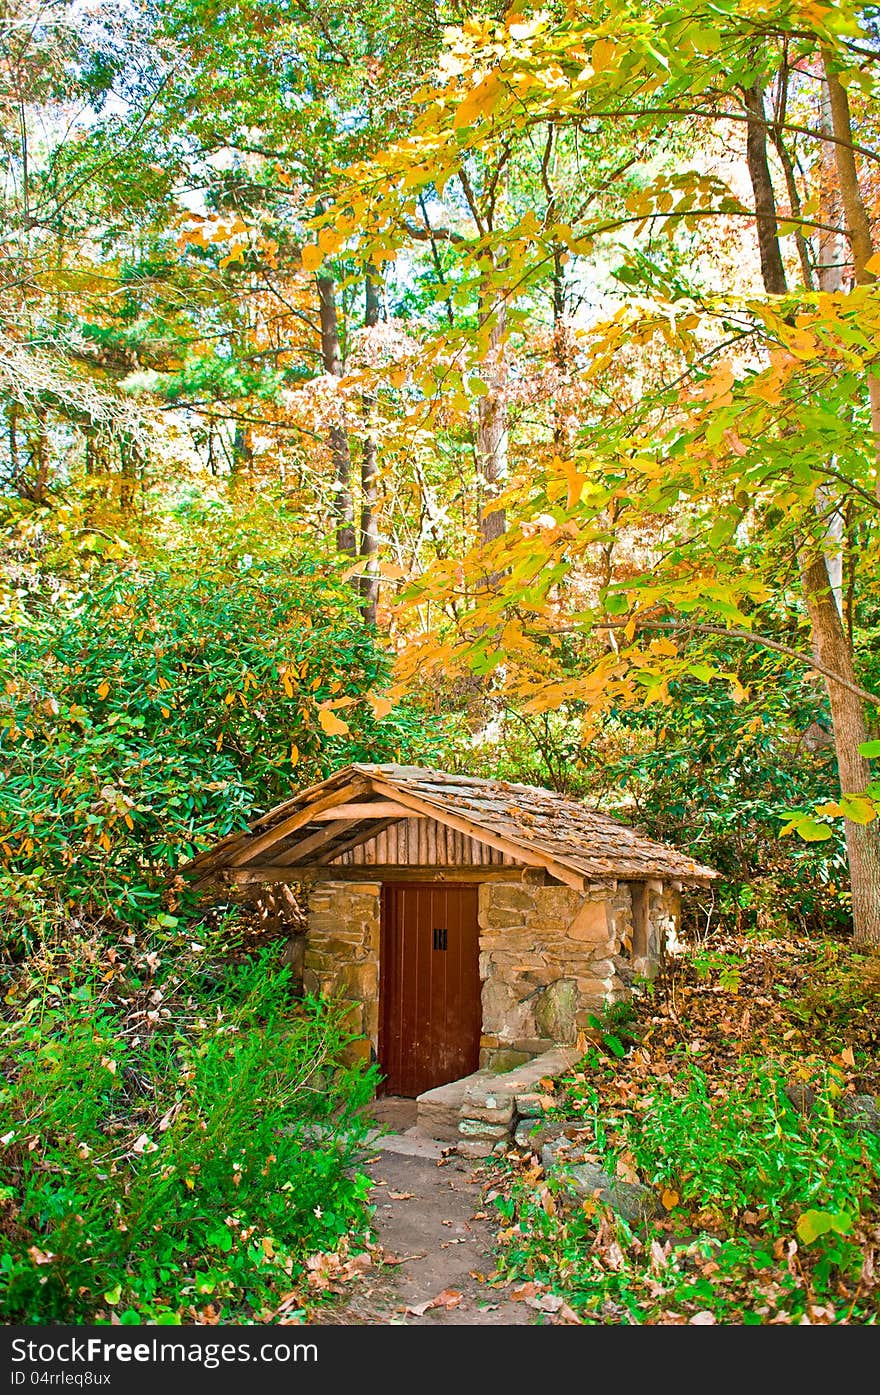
380	872
255	846
313	841
379	809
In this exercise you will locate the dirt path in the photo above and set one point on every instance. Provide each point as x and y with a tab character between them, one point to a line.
437	1240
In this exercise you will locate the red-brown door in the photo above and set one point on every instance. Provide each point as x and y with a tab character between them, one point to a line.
430	1011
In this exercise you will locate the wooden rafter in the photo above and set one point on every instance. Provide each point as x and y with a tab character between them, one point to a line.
255	846
366	833
313	841
378	809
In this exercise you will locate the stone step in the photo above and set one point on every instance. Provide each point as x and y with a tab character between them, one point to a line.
439	1110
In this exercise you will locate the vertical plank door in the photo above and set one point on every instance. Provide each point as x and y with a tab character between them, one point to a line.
430	1009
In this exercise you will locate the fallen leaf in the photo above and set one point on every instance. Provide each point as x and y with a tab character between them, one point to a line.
525	1291
401	1196
447	1298
626	1168
546	1303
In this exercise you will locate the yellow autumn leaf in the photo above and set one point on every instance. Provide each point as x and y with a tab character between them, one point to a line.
294	755
312	257
381	705
669	1198
330	723
328	240
602	54
103	689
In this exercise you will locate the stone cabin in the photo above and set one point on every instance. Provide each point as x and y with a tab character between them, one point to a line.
468	923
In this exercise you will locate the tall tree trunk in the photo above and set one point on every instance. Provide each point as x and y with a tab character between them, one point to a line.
12	423
492	438
830	642
369	579
834	652
772	269
40	458
831	246
337	436
858	227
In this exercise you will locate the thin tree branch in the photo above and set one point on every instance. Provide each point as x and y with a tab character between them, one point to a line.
747	635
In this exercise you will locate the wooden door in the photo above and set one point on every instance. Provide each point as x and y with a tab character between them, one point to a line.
429	999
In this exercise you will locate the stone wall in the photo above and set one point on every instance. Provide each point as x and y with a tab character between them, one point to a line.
549	957
342	953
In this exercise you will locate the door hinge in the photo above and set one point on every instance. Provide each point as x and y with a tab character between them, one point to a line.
440	938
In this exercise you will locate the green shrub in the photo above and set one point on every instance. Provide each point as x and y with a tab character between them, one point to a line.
149	1167
144	714
746	1147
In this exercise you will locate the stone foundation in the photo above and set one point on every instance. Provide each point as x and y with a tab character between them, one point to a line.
549	958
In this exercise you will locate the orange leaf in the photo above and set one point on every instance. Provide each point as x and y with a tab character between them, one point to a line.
312	257
381	705
330	723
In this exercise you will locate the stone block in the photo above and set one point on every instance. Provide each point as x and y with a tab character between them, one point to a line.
523	1134
590	922
634	1202
503	1059
495	1110
511	895
557	903
475	1147
500	918
533	1106
359	980
555	1010
479	1128
533	1046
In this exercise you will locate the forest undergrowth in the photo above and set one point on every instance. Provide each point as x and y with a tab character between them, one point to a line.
740	1090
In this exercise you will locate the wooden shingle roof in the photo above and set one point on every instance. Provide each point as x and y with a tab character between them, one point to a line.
534	826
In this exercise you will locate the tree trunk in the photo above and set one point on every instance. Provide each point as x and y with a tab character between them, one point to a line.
772	269
12	423
831	645
40	457
337	436
831	255
492	419
834	652
858	227
369	579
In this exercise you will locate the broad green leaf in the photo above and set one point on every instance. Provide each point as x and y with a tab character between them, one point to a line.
812	1224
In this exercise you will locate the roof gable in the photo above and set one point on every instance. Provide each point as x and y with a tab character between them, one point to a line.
534	826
